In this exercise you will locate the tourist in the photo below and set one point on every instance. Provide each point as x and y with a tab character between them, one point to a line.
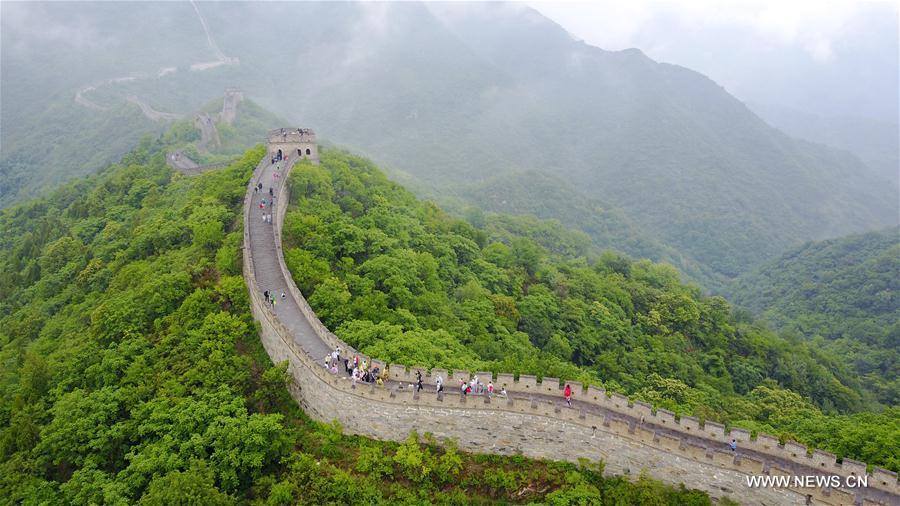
490	389
439	382
733	445
464	387
567	393
503	392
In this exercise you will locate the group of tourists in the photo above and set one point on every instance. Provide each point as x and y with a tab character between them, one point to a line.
475	387
357	369
270	297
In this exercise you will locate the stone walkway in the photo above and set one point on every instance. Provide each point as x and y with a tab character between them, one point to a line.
268	273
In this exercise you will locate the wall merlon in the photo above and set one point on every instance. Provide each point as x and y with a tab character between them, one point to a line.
795	450
665	417
885	480
690	424
550	386
740	435
619	401
460	376
526	383
577	388
435	373
823	459
485	376
596	395
397	372
853	467
766	443
643	409
714	430
505	380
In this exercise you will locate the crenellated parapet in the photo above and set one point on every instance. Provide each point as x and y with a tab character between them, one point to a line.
532	419
296	143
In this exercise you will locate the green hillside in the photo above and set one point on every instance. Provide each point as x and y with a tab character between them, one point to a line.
547	197
133	373
401	280
453	95
844	295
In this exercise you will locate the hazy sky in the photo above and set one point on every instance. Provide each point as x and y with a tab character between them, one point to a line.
825	57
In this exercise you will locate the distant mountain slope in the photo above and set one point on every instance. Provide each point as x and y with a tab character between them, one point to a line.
846	291
876	143
454	94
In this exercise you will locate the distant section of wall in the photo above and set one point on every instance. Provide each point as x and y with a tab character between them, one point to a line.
628	437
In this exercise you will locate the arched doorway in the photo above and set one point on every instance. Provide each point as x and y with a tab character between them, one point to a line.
299	152
308	152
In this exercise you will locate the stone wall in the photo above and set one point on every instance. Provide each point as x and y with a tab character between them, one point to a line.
669	449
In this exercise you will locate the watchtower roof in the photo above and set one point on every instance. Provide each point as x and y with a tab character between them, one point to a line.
291	135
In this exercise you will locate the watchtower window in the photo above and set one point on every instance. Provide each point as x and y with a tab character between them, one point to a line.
299	152
308	152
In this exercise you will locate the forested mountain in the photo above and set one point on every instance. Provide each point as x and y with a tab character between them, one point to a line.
844	294
133	373
400	280
450	95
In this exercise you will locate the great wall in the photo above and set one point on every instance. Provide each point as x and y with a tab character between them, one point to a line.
630	437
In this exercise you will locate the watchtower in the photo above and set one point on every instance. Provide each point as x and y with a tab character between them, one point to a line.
298	143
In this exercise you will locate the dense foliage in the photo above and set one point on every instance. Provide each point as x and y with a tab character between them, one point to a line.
844	295
132	371
406	283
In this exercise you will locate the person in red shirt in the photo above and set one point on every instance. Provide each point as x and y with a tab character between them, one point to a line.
567	393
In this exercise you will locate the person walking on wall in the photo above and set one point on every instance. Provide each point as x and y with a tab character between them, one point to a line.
733	445
439	382
567	393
